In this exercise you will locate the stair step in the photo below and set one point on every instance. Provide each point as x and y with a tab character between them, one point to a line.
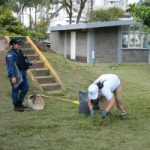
50	86
28	51
39	64
40	72
45	79
25	45
33	57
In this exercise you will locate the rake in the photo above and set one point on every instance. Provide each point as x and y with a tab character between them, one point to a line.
66	100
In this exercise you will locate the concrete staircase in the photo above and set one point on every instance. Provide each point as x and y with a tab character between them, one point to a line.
44	76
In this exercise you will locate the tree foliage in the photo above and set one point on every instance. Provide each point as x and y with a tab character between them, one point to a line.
140	12
40	32
109	14
3	2
8	23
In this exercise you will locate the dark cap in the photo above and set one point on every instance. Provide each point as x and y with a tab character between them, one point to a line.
14	41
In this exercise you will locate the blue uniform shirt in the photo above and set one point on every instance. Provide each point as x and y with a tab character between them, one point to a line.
11	61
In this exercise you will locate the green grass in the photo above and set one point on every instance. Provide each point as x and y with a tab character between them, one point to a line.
60	127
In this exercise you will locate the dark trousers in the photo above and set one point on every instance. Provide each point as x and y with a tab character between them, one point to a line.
20	92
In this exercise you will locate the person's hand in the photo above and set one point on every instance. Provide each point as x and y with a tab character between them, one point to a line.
13	80
104	114
92	112
33	62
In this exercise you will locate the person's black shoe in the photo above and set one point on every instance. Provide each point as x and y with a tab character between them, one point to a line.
23	106
123	116
19	109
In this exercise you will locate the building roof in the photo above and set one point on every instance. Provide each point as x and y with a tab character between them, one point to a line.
83	26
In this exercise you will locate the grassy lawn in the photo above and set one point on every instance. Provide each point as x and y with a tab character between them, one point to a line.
60	127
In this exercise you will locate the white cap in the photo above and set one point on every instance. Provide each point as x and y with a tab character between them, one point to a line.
93	92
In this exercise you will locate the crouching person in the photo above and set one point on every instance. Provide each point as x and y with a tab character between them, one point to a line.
107	86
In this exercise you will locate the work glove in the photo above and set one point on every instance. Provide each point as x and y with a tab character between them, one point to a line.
92	112
104	114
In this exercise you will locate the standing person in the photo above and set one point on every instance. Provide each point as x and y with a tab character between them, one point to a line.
107	86
17	65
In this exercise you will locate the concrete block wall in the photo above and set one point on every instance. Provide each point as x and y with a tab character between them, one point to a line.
135	56
81	43
106	45
57	42
68	43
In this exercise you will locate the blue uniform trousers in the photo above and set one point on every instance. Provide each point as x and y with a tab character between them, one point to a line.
18	93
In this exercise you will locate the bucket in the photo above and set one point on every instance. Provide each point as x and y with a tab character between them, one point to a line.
83	107
36	102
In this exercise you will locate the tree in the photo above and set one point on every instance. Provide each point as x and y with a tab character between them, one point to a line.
2	2
82	5
140	12
70	8
146	2
40	32
67	4
109	14
47	4
18	6
8	23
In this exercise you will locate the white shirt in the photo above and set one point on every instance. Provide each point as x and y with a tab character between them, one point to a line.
111	83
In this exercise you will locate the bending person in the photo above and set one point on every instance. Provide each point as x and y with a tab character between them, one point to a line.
107	86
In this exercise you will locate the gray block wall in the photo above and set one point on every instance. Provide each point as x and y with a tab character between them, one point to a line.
135	56
67	43
57	41
81	43
106	45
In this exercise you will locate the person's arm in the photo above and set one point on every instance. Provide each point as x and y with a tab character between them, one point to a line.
110	104
10	60
108	108
90	106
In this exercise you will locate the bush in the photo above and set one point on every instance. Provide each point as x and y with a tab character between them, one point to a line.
37	35
106	14
8	23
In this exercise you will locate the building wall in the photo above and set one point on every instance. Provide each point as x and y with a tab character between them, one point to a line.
68	41
135	55
57	42
81	45
106	45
